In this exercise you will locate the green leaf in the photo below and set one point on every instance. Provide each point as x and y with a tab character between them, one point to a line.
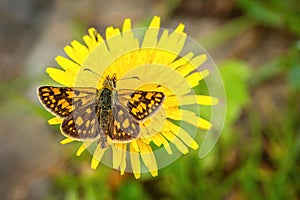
131	190
266	13
294	77
235	75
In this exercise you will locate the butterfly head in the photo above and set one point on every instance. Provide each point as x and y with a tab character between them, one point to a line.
110	82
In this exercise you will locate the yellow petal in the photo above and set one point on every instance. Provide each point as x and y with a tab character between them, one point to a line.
151	34
165	143
183	135
95	35
194	78
66	141
135	161
180	28
172	138
118	150
77	52
148	157
135	145
67	64
169	47
171	101
120	47
93	39
126	25
97	157
155	23
175	113
198	99
112	32
83	147
195	120
192	64
60	76
204	124
55	120
193	145
156	140
182	61
123	159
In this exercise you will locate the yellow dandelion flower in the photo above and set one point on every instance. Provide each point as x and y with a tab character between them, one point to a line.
130	97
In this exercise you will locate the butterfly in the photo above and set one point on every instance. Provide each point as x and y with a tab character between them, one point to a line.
89	113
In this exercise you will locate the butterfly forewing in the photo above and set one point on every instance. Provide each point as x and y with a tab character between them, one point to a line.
76	105
62	101
142	104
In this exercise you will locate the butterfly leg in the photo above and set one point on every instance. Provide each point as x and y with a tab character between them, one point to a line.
104	119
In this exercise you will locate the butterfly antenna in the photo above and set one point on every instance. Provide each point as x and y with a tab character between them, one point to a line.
133	77
89	70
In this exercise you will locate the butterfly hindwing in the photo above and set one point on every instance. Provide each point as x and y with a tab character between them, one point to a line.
82	124
62	101
123	127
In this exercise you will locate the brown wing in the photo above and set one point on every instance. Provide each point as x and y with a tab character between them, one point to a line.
62	101
123	127
143	104
82	124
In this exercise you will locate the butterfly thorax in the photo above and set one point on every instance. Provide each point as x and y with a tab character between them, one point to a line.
105	99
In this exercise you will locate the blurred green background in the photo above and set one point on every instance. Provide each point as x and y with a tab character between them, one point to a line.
254	43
